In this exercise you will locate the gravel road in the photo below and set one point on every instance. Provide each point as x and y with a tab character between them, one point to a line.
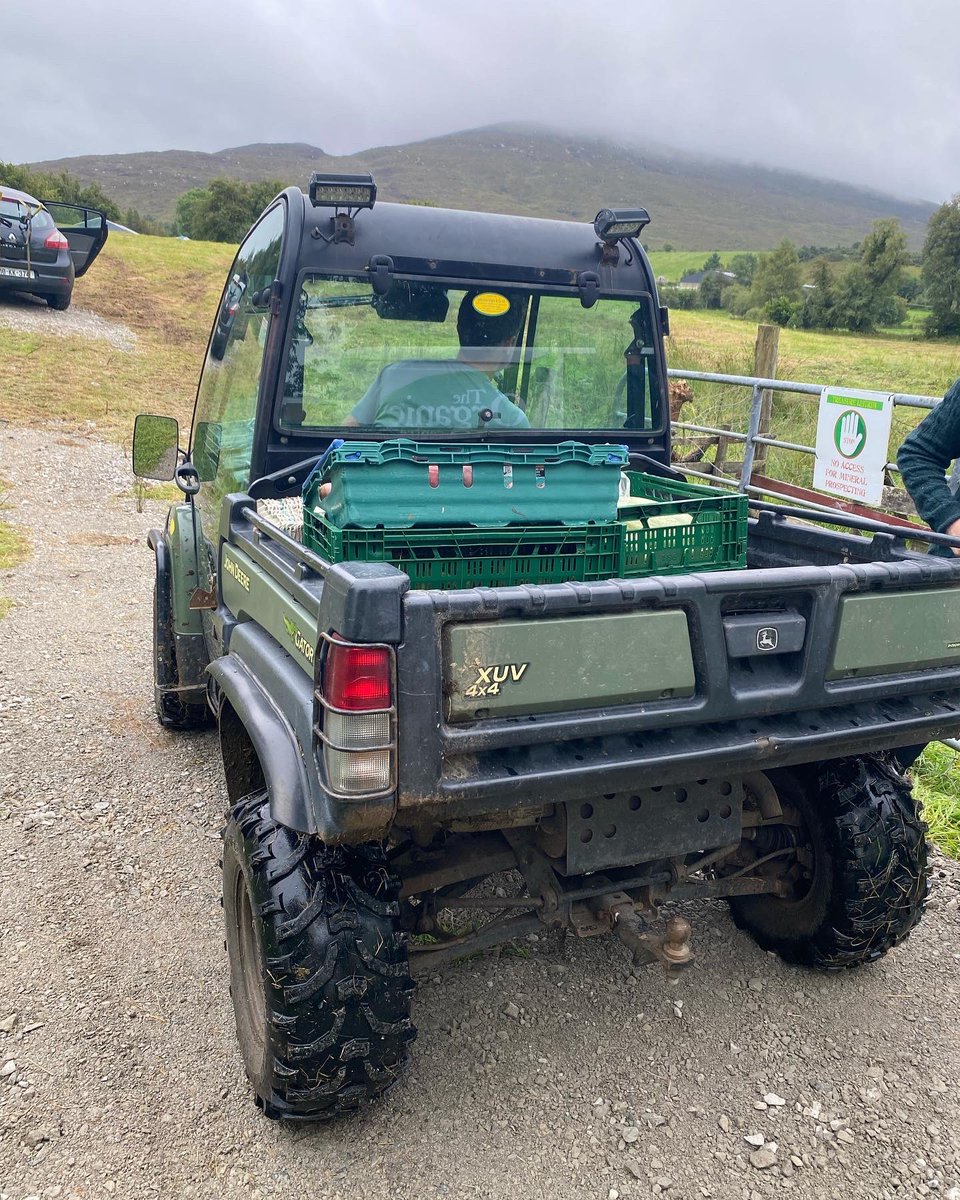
542	1073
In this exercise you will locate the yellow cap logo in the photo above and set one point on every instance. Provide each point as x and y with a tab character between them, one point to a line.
491	304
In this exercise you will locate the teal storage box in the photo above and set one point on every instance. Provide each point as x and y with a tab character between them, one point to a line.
400	483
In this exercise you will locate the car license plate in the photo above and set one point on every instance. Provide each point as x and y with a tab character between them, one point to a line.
17	273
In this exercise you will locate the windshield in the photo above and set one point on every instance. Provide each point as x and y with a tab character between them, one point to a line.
430	358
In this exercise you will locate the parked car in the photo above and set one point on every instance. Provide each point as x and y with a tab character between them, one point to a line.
227	315
44	247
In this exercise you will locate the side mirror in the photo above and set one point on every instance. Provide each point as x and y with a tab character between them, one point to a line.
155	442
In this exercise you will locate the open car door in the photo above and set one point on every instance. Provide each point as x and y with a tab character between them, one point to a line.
84	228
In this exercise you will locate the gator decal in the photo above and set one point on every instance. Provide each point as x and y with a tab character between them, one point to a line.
299	641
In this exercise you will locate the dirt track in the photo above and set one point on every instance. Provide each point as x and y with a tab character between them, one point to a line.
114	1008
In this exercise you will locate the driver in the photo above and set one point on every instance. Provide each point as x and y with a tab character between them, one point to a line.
458	393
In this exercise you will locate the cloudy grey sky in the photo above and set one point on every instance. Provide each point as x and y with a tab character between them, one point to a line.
861	90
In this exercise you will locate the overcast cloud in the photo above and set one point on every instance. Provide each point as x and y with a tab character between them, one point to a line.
861	90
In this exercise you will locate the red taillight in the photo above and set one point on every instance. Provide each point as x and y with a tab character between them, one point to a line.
56	241
357	678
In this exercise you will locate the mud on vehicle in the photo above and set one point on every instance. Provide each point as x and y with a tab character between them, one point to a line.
392	738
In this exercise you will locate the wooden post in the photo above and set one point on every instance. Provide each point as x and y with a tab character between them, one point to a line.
765	367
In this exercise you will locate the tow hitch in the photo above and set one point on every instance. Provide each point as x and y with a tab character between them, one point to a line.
673	950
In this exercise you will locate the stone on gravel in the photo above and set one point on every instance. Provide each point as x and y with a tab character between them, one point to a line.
755	1139
774	1100
511	1010
763	1159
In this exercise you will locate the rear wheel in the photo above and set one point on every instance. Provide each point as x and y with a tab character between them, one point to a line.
856	866
318	967
60	302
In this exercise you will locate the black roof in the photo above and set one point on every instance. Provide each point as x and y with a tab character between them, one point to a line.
452	243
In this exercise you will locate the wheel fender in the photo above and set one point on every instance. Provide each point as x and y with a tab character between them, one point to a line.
166	674
273	740
173	548
181	544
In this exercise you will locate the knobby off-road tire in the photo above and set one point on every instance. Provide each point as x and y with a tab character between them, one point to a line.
869	880
172	712
318	967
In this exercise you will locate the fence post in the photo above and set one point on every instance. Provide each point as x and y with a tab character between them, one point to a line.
765	367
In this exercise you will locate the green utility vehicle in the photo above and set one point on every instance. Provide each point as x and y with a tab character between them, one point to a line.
716	715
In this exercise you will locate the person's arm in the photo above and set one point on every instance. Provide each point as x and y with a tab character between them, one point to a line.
366	408
923	460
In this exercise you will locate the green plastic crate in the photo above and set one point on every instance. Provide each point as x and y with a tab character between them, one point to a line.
463	558
685	528
399	483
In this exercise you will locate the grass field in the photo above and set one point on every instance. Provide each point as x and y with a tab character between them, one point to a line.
671	265
166	292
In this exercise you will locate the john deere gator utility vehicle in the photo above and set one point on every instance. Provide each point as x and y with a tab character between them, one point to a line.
454	615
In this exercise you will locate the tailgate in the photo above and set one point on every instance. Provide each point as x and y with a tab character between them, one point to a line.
529	695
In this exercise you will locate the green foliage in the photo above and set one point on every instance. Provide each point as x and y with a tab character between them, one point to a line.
710	291
883	254
865	296
59	185
225	209
777	275
780	310
134	219
831	253
187	206
736	299
941	269
713	263
937	783
743	266
678	297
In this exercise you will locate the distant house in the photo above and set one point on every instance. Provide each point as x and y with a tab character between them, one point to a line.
693	279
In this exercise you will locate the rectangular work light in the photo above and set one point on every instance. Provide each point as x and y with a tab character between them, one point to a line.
342	191
611	225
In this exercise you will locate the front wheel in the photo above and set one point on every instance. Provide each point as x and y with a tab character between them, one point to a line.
858	875
318	966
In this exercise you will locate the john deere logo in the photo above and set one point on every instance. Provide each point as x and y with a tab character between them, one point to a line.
767	638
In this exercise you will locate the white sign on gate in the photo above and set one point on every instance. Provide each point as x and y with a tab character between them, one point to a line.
853	435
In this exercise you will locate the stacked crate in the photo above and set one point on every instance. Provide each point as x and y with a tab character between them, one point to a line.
461	515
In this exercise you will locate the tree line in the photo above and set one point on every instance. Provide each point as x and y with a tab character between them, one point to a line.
859	288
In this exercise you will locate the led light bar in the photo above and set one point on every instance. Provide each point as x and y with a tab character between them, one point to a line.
342	191
611	225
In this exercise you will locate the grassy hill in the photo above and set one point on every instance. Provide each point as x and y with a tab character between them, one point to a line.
696	203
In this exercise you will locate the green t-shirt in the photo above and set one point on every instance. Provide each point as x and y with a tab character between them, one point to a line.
436	394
